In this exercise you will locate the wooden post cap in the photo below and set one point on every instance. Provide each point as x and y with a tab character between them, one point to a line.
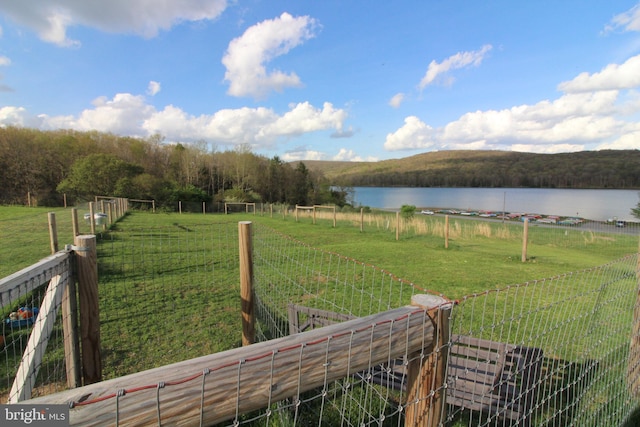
428	301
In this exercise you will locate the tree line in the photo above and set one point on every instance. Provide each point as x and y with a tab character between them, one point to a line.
80	165
586	169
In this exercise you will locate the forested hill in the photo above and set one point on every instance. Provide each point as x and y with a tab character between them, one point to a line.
585	169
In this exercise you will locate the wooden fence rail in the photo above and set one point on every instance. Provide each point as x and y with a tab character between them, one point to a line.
216	387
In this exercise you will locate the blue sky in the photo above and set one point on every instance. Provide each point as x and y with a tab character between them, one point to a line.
330	79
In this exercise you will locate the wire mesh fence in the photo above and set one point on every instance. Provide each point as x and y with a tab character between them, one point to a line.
552	352
288	271
618	238
580	324
32	337
164	292
557	349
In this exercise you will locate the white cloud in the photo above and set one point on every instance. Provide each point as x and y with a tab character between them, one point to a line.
597	111
124	115
128	114
153	88
414	134
627	21
18	116
459	60
51	19
226	127
345	155
613	76
260	127
628	141
4	61
396	100
303	154
247	55
547	149
305	118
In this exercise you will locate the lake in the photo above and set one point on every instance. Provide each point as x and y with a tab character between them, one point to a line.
591	204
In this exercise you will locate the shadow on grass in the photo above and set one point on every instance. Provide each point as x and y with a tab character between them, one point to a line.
633	420
565	385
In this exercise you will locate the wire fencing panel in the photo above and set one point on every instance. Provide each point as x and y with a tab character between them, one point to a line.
165	293
22	311
616	239
579	324
287	271
553	352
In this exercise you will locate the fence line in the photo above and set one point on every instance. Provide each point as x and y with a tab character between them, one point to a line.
39	323
558	327
558	348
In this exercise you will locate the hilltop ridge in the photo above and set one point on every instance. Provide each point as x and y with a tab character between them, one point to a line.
460	168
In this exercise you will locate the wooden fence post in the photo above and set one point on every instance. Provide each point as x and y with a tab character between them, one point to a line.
398	225
446	231
104	224
74	222
87	264
70	332
361	220
246	282
334	217
53	232
69	312
525	237
92	219
426	373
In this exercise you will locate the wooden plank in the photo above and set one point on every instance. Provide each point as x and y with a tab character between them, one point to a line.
494	407
476	375
315	318
38	339
294	321
32	277
260	373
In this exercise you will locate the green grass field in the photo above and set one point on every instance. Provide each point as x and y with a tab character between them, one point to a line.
476	260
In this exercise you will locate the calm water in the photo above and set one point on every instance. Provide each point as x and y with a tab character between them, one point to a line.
591	204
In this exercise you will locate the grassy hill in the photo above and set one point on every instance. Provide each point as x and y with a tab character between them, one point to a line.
586	169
